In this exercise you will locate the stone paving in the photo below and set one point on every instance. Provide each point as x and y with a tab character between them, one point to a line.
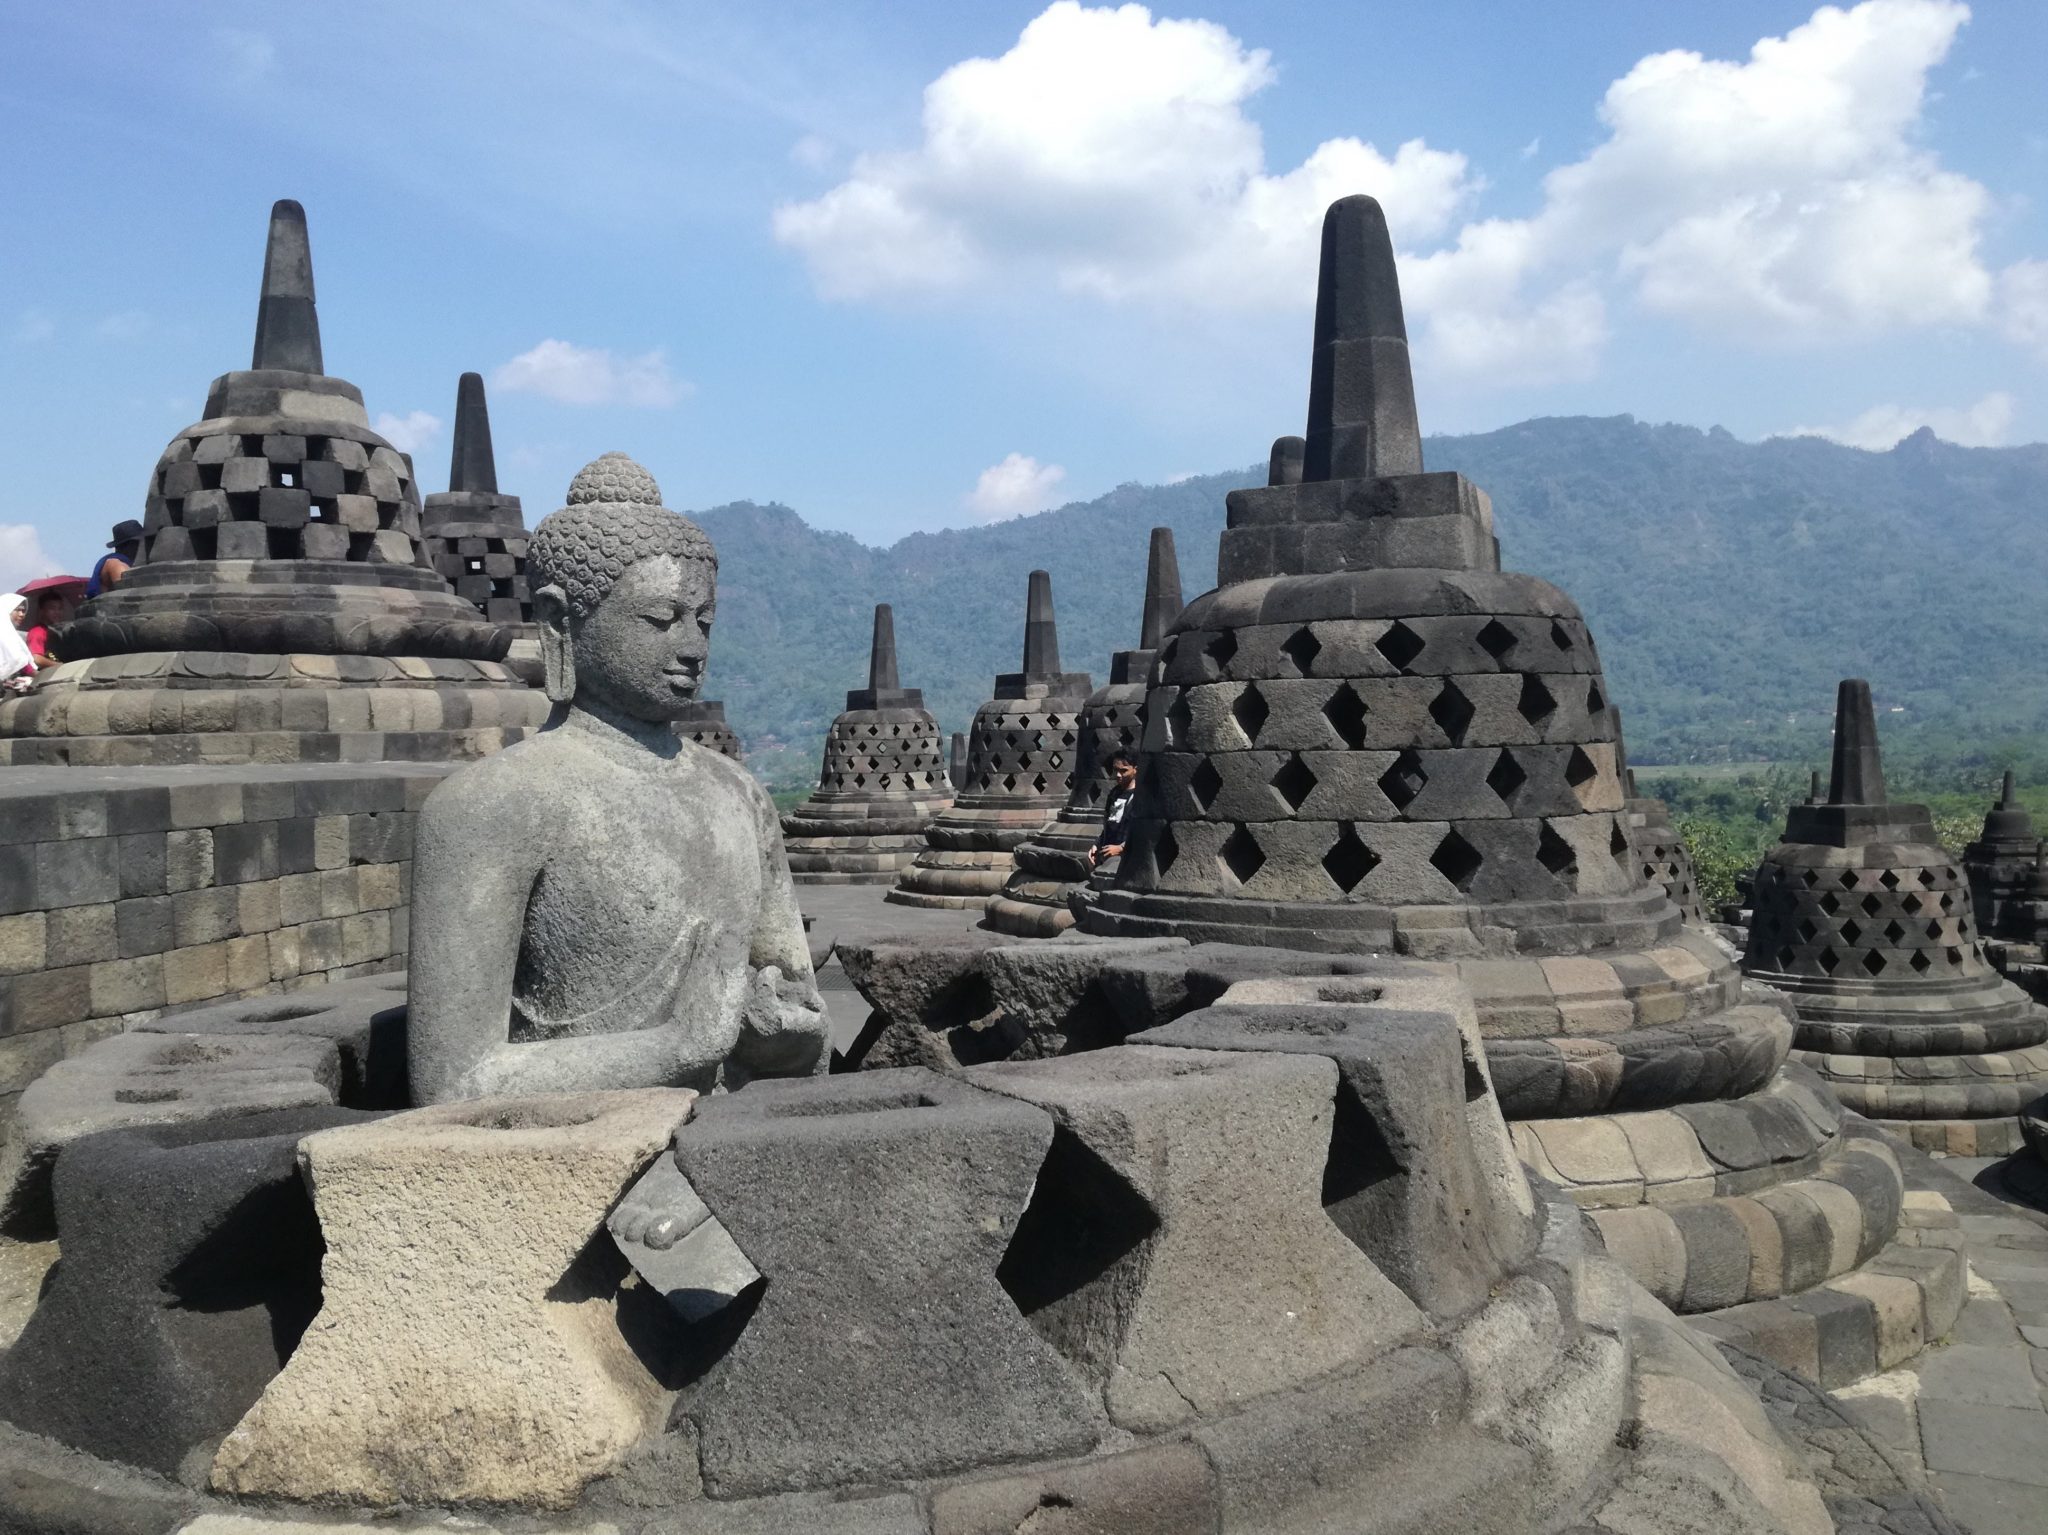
1974	1412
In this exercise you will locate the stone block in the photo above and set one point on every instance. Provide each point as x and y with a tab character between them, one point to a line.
188	859
1164	1490
142	864
48	999
1131	1261
504	1377
1050	994
877	1207
192	1264
23	940
132	985
82	871
132	1080
196	974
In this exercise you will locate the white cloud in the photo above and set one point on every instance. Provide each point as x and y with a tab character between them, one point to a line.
22	557
1776	199
1982	425
1109	152
408	433
249	55
122	325
587	375
1019	484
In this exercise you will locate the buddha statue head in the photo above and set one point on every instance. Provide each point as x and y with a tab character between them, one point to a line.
624	591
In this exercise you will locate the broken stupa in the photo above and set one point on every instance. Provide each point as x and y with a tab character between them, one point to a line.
1865	922
1052	865
1020	764
1370	739
883	780
282	608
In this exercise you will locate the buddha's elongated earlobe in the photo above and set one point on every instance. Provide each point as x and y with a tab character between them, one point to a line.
557	652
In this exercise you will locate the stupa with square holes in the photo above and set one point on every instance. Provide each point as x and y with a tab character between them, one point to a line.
1020	769
1054	864
1370	739
1865	921
282	608
883	781
475	535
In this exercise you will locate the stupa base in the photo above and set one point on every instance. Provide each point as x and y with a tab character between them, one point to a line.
861	842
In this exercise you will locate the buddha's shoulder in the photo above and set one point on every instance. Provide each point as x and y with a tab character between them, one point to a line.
527	778
726	776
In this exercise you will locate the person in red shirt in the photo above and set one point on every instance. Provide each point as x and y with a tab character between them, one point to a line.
49	612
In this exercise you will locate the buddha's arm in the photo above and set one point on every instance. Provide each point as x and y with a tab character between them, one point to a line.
784	1030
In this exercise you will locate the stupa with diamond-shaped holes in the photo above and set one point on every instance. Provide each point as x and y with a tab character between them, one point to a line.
1054	864
704	723
1372	739
883	781
1020	767
1660	848
282	608
1865	921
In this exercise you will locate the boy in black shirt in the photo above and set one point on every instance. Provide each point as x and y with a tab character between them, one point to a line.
1109	842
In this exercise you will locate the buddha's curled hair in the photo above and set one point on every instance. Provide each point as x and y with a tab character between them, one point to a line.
585	548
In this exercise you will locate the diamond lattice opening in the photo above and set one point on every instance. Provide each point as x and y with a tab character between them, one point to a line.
1165	850
1506	776
1889	879
1785	959
1294	781
1452	711
1846	879
1536	702
1179	717
1302	647
1241	856
1829	959
1345	711
1250	710
1829	904
1579	769
1560	636
1927	879
1221	649
1204	783
1349	860
1400	645
1496	639
1872	904
1556	854
1920	962
1456	860
1874	962
1404	780
1911	905
1807	931
1596	701
1853	930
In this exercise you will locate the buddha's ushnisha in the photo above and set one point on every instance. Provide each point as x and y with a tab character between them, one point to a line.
605	905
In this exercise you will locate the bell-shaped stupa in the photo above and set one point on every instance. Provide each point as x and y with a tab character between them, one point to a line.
1054	864
474	534
883	781
704	723
1372	739
1660	848
2000	867
282	607
1865	921
1020	767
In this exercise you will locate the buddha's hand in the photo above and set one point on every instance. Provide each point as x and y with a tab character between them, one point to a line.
782	1027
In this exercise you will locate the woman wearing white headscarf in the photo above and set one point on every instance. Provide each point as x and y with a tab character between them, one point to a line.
17	666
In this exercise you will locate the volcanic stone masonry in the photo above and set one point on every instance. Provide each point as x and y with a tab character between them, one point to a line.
1865	922
1658	844
1371	739
2007	868
1020	766
883	781
1052	865
475	535
281	608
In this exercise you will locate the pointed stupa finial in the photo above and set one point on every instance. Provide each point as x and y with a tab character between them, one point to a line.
287	328
2006	800
1162	591
1041	631
1361	393
472	466
1813	787
882	652
956	761
1858	777
1283	465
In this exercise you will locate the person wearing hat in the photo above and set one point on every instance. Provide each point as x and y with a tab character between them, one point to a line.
122	549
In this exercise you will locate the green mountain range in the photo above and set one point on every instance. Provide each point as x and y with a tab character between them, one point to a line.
1729	584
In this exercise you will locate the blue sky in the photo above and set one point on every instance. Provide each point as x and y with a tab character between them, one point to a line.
913	265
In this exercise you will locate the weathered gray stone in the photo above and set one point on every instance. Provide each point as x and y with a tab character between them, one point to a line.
495	1371
693	970
131	1080
1137	1260
876	1207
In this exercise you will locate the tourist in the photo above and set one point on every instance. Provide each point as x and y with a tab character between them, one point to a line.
49	613
17	663
122	550
1109	842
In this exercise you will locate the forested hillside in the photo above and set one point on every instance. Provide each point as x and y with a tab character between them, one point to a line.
1728	583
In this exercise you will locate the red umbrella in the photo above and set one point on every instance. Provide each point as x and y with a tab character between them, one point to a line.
59	584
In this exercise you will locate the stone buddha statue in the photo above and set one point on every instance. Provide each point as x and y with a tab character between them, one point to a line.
604	904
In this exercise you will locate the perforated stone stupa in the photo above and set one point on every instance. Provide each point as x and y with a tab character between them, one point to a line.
705	724
883	781
1020	767
2004	867
1371	739
1054	864
475	535
1659	847
282	608
1865	921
